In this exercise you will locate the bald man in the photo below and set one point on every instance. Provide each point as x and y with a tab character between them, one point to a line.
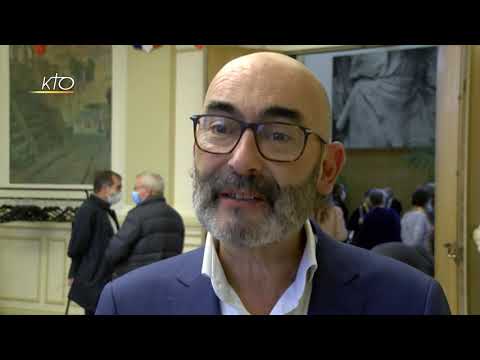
263	161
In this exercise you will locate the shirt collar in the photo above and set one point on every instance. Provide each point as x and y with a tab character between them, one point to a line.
212	268
291	298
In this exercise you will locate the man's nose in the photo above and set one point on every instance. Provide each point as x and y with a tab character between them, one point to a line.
246	158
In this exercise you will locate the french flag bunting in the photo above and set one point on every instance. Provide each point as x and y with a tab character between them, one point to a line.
146	48
39	49
149	48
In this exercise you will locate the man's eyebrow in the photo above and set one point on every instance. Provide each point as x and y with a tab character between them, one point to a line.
283	112
270	112
221	106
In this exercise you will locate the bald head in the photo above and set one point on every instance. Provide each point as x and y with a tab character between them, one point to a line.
259	81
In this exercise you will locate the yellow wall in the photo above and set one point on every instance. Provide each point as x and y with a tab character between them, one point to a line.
150	115
190	90
219	55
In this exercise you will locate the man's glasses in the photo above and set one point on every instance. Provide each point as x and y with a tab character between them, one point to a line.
276	141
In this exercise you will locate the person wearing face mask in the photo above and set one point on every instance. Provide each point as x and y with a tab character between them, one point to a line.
93	226
152	231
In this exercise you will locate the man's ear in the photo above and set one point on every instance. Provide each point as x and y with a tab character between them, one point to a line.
334	159
149	193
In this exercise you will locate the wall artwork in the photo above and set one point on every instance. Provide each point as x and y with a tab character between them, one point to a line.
60	113
385	99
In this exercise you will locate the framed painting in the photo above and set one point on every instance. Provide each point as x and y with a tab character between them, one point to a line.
60	117
382	98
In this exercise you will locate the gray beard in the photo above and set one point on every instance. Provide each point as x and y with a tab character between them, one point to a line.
289	208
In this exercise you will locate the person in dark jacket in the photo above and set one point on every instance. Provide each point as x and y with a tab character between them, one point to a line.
339	195
355	221
152	231
93	226
380	225
415	256
391	202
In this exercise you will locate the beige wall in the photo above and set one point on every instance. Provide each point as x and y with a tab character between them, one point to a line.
150	116
190	89
34	267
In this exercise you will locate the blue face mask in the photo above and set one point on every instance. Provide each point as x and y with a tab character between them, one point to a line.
136	197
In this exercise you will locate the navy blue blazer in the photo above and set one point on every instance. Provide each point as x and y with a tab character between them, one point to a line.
348	280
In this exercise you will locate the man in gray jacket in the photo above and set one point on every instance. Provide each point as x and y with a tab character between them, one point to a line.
152	231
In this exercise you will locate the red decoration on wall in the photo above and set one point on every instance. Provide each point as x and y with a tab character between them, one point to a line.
40	49
199	47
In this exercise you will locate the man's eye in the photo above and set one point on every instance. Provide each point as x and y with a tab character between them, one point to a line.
218	128
280	137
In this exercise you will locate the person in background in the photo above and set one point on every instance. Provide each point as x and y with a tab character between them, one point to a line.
93	226
414	256
430	207
355	222
380	225
391	202
416	227
330	219
339	195
152	231
430	210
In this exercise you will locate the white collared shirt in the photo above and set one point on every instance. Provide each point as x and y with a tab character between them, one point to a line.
294	301
113	223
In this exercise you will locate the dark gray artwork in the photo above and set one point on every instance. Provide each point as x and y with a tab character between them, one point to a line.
385	99
56	136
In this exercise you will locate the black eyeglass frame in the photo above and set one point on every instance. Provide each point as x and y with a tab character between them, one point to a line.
253	126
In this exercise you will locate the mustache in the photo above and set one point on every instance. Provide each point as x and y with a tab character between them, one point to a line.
228	178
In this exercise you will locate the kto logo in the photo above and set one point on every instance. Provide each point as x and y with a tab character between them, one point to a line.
56	85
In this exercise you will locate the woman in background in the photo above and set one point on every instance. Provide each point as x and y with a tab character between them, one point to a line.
331	221
416	227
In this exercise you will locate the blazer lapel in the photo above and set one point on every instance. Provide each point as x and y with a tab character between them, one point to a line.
193	293
334	288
